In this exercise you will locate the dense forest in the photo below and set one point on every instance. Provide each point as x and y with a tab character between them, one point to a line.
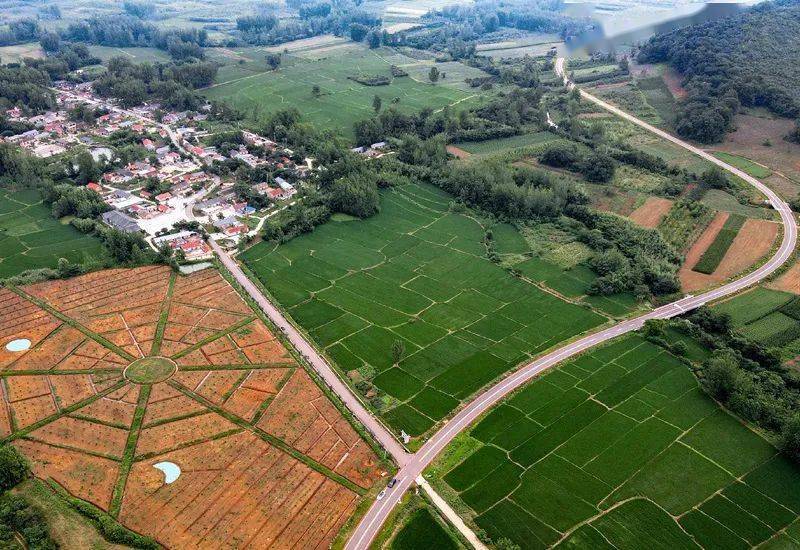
750	59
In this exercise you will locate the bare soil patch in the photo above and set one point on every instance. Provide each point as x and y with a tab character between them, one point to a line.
458	153
782	156
673	81
651	212
752	243
788	281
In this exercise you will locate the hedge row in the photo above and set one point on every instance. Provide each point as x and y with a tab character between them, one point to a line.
110	528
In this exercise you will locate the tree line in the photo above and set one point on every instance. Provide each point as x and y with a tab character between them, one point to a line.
172	84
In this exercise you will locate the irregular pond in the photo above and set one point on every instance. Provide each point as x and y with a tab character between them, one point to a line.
171	471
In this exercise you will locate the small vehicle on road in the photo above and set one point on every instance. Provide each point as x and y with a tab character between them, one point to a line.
381	495
392	483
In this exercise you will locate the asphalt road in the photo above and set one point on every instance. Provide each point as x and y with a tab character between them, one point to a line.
371	523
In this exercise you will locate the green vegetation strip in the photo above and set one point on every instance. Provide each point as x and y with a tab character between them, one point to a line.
213	337
130	451
716	252
271	439
111	529
73	323
65	411
162	319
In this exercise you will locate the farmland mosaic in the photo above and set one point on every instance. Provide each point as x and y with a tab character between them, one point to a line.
131	368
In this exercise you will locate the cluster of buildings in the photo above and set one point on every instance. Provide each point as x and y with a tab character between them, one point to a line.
174	180
374	151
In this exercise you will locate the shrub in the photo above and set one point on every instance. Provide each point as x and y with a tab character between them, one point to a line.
13	467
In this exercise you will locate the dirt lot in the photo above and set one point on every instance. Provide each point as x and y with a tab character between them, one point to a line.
789	281
458	153
751	244
782	156
651	212
264	455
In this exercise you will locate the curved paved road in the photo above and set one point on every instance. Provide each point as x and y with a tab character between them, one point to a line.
377	514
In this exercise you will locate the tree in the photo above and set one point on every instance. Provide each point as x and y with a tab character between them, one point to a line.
87	169
50	42
13	467
722	375
376	103
273	60
715	178
790	438
356	194
794	135
398	350
358	32
374	39
433	75
598	168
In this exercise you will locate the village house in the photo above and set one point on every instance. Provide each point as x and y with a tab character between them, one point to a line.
121	221
192	244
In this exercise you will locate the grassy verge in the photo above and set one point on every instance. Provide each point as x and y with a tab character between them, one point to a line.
713	255
111	530
67	527
745	165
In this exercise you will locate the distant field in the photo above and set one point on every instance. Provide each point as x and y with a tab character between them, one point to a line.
415	275
616	446
136	55
501	145
30	238
659	97
342	101
15	54
534	44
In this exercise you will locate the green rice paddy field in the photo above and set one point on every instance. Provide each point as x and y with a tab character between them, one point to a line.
769	317
417	274
342	101
619	448
30	238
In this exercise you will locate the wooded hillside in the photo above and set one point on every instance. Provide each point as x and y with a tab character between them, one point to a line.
751	59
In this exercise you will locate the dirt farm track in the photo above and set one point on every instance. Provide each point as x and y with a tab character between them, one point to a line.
265	458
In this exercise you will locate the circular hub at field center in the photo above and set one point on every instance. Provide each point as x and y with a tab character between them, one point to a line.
150	370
